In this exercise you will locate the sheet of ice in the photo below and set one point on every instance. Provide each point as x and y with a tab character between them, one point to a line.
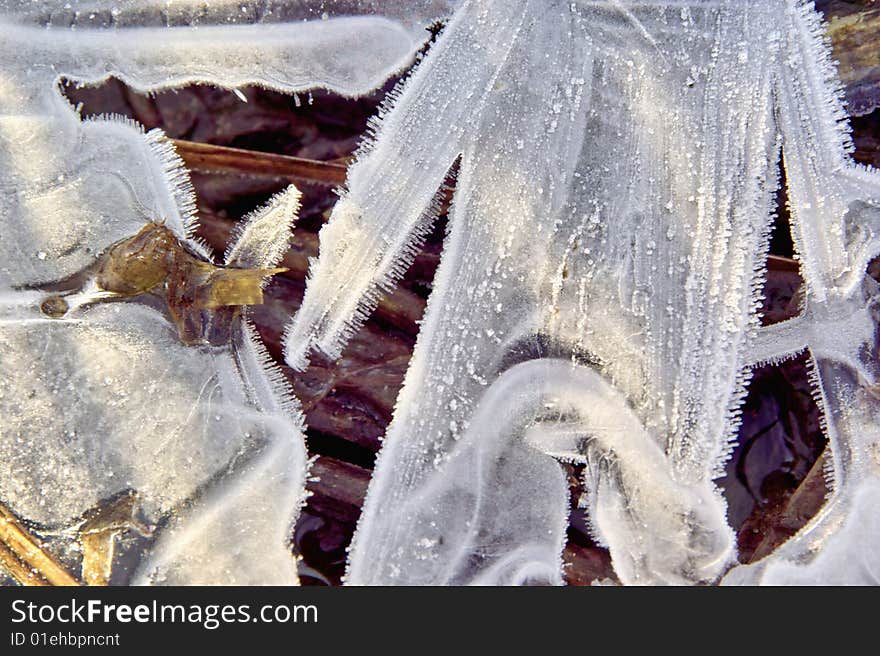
415	15
57	185
617	169
107	398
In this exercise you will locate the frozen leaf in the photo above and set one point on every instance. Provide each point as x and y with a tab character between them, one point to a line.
98	533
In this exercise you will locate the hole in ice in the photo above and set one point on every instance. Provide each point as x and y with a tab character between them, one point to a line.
782	284
866	137
584	561
772	484
781	243
319	125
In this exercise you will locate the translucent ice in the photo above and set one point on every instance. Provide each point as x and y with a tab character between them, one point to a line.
107	398
597	298
52	161
99	398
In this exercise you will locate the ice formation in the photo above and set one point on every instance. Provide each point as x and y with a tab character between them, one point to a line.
597	298
100	398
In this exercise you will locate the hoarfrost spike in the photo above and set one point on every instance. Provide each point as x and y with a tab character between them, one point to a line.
263	237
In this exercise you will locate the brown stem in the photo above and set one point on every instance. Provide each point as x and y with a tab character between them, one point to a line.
338	480
208	158
24	558
779	263
803	504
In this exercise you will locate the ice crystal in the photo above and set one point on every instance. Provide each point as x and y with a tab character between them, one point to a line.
597	298
100	398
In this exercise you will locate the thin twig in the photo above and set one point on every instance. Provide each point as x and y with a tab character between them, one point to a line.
339	480
209	158
779	263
